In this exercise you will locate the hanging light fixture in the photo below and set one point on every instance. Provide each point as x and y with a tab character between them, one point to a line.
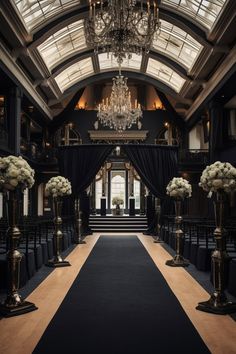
121	27
117	112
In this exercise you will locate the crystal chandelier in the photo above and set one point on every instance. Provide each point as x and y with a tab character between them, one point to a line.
121	27
117	112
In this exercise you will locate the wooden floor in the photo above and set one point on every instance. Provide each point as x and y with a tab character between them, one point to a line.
19	335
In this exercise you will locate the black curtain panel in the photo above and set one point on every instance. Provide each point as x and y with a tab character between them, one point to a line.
81	163
155	164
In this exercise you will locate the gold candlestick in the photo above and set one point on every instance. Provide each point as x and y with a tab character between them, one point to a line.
178	260
218	302
57	260
78	223
14	305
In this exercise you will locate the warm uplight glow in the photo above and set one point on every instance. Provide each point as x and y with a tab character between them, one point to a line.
158	105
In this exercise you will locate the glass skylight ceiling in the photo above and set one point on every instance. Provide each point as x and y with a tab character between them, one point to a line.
74	73
177	44
63	43
35	12
165	74
205	12
111	62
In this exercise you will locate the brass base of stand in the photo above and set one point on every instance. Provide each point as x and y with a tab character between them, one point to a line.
216	307
79	242
177	262
19	309
223	309
158	240
54	263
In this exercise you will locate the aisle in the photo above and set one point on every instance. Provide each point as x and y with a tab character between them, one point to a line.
120	304
218	332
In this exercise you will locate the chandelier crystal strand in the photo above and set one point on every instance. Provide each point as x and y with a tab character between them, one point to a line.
121	27
117	112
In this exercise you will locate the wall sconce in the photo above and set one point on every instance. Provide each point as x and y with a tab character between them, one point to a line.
166	125
158	105
117	150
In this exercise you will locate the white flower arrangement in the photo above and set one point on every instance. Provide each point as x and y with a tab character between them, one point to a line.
218	176
117	201
58	187
179	187
15	173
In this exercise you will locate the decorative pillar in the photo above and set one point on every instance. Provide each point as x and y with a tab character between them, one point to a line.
157	203
14	121
142	198
103	199
93	197
216	131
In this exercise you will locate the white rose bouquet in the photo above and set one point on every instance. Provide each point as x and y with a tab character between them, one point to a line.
15	172
117	201
179	187
218	176
58	187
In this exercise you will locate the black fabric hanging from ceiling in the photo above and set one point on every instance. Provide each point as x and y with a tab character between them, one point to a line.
81	163
156	165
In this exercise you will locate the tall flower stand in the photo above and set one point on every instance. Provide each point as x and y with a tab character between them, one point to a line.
178	260
78	223
57	260
218	302
14	305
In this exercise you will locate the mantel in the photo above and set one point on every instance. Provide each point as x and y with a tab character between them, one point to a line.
116	135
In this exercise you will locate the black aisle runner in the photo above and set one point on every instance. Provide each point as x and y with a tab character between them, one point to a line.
120	304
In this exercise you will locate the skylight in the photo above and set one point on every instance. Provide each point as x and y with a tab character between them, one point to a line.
165	74
110	62
63	43
205	12
74	73
177	44
35	12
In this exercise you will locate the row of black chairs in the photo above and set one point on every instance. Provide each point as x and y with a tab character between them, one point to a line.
36	245
199	244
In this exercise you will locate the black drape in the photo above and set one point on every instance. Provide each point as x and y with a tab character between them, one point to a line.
155	164
81	163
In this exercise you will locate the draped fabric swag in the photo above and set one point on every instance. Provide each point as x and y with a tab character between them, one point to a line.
155	164
81	163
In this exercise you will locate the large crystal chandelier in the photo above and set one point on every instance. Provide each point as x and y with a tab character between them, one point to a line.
117	112
121	27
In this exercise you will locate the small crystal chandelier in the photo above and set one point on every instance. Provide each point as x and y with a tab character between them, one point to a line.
121	27
117	112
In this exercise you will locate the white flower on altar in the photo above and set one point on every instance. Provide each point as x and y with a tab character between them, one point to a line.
58	187
179	187
15	172
218	176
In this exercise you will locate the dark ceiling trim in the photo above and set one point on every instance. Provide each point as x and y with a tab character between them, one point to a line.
71	60
174	116
82	12
130	74
63	116
153	54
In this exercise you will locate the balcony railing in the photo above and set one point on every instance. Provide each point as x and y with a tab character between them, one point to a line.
193	156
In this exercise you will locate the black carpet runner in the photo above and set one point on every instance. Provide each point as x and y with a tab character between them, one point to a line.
120	304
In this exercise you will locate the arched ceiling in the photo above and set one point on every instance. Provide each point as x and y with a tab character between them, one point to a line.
50	46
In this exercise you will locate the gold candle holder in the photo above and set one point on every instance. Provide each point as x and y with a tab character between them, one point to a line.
14	305
178	260
57	260
218	302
